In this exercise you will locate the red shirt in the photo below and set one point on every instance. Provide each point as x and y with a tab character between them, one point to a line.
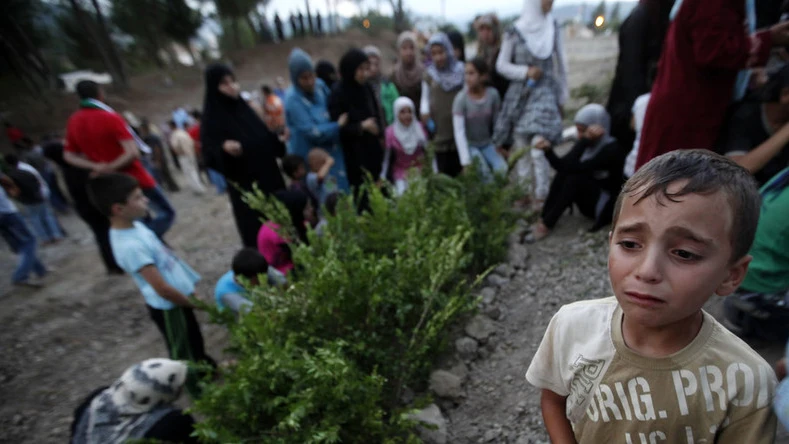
706	45
194	133
14	134
97	135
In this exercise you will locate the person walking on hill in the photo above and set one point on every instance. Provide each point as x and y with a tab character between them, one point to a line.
99	140
278	27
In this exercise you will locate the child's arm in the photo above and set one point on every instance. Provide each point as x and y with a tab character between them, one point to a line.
555	417
151	275
324	171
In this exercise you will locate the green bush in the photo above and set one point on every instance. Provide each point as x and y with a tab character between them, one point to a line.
327	359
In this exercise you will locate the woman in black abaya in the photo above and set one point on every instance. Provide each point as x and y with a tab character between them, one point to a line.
239	145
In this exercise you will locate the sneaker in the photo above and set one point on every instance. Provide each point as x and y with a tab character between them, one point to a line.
31	283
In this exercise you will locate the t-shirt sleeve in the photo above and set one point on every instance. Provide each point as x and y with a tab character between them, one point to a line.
133	256
756	428
313	184
544	371
119	128
71	142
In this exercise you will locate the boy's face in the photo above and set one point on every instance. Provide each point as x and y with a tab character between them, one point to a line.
301	171
136	206
665	261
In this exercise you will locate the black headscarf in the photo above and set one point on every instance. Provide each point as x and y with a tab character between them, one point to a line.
349	63
228	118
457	43
325	71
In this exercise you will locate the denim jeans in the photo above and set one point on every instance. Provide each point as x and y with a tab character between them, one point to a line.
162	214
218	180
41	219
490	161
14	230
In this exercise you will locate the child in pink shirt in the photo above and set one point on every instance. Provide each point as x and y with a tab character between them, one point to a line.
405	144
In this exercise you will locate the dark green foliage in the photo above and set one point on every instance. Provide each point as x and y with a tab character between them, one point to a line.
326	359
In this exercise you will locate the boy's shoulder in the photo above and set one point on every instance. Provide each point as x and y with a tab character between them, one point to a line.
493	92
139	235
588	311
727	348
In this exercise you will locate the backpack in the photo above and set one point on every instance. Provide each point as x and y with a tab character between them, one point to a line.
29	188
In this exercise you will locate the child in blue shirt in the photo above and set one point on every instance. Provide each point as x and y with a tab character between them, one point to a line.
166	282
250	265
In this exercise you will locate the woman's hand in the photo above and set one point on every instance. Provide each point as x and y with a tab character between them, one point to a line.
594	132
343	120
542	145
370	126
232	147
534	73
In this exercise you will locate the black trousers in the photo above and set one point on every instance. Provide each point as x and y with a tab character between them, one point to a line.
184	340
448	163
566	190
99	224
247	219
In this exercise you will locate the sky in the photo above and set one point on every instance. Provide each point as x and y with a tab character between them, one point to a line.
456	10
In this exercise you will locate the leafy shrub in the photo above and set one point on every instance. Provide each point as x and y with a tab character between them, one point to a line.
326	359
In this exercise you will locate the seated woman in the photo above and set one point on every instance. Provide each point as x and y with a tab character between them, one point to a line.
275	248
138	406
589	176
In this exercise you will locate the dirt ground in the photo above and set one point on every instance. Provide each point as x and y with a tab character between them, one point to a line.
84	328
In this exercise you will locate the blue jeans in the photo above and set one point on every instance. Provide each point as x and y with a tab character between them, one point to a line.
218	180
42	221
490	161
22	242
163	213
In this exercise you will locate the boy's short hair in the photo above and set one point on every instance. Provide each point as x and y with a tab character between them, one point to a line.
705	173
316	157
249	263
109	189
291	164
12	160
197	114
87	89
171	123
266	89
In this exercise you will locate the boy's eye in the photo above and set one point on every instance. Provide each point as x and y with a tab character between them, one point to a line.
686	255
627	245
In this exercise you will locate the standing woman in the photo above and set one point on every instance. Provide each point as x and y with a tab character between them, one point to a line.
408	71
489	44
239	145
458	45
362	137
385	90
307	116
532	58
443	80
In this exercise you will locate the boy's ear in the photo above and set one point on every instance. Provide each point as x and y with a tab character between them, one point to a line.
116	209
737	272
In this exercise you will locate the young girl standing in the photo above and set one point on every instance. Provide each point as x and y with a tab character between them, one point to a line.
473	113
532	58
441	83
405	144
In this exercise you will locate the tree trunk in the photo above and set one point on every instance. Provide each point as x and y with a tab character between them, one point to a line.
31	50
17	65
236	32
251	24
111	50
117	78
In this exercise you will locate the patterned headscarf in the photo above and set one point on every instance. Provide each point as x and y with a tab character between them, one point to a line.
133	404
451	76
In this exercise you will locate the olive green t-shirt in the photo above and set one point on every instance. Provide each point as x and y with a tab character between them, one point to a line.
715	390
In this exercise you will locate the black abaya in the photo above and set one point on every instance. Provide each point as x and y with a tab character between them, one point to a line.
226	118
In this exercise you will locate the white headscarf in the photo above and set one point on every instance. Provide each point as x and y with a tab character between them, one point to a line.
537	29
412	136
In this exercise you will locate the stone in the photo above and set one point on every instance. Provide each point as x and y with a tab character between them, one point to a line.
460	370
504	270
480	327
433	427
488	295
18	419
446	385
467	348
496	280
493	312
517	256
492	435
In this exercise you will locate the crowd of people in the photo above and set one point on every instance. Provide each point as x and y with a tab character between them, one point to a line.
685	222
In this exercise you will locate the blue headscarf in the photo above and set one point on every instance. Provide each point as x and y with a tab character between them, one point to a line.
452	75
299	62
